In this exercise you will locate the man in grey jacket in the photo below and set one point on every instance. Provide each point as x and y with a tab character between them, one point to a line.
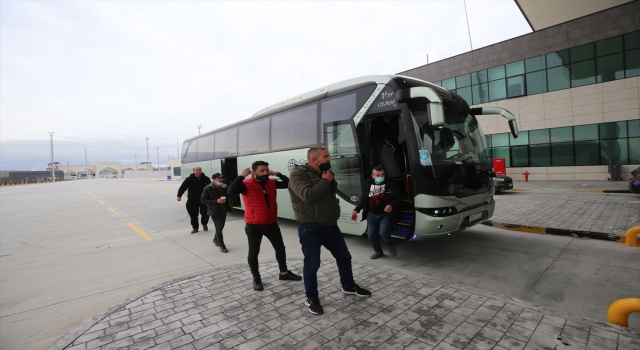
313	195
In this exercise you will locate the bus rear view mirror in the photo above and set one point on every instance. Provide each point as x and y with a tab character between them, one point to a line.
514	128
513	125
435	106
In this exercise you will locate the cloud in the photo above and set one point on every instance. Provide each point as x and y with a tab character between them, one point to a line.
110	73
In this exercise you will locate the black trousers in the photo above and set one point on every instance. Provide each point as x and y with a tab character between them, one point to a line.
254	236
218	222
192	209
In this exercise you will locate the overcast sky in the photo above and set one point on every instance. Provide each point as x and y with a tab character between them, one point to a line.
104	74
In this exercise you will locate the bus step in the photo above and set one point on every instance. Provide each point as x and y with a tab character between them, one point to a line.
237	208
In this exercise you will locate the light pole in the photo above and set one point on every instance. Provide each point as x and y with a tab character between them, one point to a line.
147	138
199	126
135	156
53	167
158	154
85	158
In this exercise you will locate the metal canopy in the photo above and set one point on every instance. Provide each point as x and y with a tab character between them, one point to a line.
547	13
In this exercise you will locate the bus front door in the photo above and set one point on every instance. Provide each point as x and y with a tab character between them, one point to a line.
229	168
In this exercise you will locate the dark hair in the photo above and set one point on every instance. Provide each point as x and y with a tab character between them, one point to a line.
377	168
258	163
313	151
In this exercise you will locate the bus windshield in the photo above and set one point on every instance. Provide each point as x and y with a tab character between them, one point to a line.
457	151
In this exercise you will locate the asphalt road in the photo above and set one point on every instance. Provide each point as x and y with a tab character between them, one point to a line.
69	250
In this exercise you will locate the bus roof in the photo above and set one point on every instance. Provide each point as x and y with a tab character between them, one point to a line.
317	94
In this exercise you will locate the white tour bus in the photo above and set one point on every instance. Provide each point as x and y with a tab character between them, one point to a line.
439	154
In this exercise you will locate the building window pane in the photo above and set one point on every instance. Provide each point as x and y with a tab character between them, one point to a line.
496	73
632	63
562	134
613	130
540	155
515	68
497	90
515	86
634	150
535	63
538	136
226	143
585	132
295	128
609	46
465	93
632	40
614	151
500	140
581	53
463	80
536	82
479	77
520	156
610	68
634	128
562	154
253	137
557	58
480	93
583	73
523	139
502	152
558	78
488	140
587	153
439	83
205	148
449	83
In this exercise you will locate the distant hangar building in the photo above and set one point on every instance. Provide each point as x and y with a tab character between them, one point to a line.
573	84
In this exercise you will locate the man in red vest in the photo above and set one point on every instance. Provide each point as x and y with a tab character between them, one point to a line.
260	214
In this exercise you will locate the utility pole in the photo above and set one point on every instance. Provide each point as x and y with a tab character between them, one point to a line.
85	158
177	148
158	154
53	167
199	126
147	138
135	156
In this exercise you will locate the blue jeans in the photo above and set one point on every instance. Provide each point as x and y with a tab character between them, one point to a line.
312	238
379	224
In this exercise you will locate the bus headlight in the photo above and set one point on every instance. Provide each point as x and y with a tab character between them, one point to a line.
438	212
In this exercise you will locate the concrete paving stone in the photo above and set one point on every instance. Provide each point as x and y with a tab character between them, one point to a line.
575	334
419	345
255	331
446	346
444	327
478	320
96	343
127	332
633	341
119	320
453	318
120	344
88	337
542	341
170	335
233	341
163	307
480	343
286	342
163	346
182	340
151	325
627	346
206	331
508	315
432	337
206	341
596	342
141	337
137	315
186	347
143	345
520	333
331	345
578	325
192	327
553	321
468	329
175	317
457	340
526	323
197	310
168	327
419	326
511	343
142	320
491	334
229	331
119	313
548	329
599	332
271	335
99	326
463	310
116	329
494	305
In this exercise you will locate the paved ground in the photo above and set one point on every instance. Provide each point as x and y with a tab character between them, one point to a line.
217	310
558	204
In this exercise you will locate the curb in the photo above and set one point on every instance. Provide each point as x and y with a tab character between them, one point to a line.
605	191
553	231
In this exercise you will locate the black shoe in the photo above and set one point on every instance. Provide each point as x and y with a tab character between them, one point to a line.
289	276
225	250
215	241
356	290
314	306
376	255
257	284
204	227
194	230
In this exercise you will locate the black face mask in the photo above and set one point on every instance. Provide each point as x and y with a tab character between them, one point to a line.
262	178
325	166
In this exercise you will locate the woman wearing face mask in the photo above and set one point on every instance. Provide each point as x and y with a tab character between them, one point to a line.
215	197
380	200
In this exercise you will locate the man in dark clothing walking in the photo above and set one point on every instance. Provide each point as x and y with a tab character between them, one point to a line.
260	214
214	197
195	183
380	200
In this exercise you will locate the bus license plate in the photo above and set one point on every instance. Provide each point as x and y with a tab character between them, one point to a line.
475	217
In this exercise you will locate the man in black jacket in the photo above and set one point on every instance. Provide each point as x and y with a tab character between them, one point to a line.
214	197
380	200
195	183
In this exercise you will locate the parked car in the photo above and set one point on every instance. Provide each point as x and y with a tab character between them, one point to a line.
502	183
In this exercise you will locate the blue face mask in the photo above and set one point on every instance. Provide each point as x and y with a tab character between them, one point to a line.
218	183
379	180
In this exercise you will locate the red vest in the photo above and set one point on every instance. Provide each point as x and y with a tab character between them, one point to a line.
256	210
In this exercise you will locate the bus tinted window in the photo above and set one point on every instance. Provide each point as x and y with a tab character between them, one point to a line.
205	148
189	151
341	107
254	137
295	128
226	143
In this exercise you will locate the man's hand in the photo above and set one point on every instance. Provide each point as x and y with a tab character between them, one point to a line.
221	200
224	186
179	198
327	175
245	172
388	209
273	173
